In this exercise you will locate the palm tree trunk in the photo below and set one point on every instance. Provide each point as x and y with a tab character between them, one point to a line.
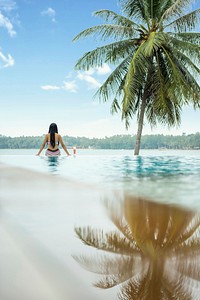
140	126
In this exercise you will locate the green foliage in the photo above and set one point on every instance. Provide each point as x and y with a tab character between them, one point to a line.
22	142
191	141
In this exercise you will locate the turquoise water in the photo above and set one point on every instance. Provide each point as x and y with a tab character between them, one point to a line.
167	175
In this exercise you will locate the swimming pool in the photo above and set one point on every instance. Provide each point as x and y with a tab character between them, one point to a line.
172	176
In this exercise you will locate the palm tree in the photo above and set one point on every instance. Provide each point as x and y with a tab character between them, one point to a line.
153	254
156	57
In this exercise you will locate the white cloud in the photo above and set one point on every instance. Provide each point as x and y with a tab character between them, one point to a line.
5	22
50	12
50	87
90	71
70	86
86	76
91	81
8	61
105	69
7	5
69	75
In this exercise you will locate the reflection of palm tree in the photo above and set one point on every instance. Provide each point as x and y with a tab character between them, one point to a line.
156	249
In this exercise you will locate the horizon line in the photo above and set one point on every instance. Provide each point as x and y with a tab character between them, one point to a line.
157	134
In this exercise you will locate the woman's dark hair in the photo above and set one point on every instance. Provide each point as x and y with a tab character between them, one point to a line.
52	130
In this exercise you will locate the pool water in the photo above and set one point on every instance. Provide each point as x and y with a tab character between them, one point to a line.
164	175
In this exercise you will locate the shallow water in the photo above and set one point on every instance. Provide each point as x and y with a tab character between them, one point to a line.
169	176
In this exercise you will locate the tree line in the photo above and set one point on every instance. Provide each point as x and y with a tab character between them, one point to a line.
159	141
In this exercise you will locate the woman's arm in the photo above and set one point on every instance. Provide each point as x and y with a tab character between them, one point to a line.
63	145
43	145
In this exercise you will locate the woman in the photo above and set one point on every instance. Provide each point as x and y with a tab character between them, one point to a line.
53	139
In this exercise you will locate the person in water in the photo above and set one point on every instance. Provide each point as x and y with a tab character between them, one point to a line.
53	139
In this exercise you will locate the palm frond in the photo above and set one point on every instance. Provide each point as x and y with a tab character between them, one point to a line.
180	228
164	6
113	83
186	22
108	282
123	227
136	9
90	237
123	245
139	64
117	32
188	249
107	265
191	37
115	106
164	100
168	114
134	82
156	90
128	270
179	84
113	17
191	88
189	66
176	290
109	242
190	49
175	9
111	53
189	228
153	43
128	291
140	287
187	263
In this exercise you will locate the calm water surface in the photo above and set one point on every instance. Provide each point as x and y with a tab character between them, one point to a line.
166	175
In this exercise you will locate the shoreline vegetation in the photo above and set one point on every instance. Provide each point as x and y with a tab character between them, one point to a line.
159	141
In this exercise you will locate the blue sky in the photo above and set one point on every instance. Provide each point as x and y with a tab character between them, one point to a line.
38	83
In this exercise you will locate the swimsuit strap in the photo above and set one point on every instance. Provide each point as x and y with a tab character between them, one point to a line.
57	143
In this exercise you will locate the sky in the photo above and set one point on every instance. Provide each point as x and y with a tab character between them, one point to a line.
38	82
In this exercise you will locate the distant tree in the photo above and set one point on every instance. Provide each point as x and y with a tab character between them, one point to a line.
191	141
